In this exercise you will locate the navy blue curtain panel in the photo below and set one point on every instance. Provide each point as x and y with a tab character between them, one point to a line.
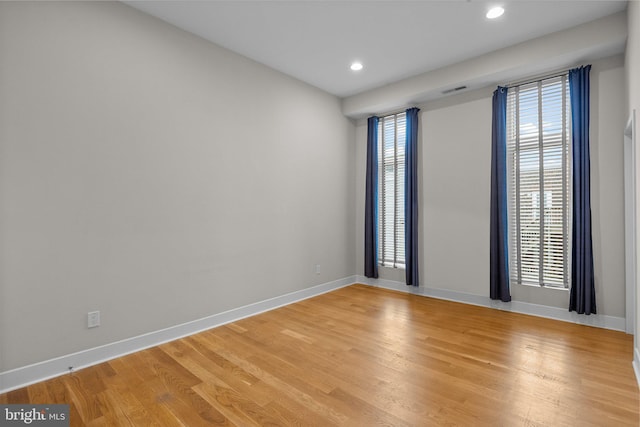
411	198
499	252
371	201
582	298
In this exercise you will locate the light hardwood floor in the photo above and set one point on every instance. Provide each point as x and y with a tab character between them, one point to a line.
362	356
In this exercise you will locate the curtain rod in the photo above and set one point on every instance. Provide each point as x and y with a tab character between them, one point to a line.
538	78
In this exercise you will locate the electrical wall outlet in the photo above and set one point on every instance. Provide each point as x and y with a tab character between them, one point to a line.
317	268
93	319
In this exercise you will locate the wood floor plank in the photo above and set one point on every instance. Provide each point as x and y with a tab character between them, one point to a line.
363	356
39	394
86	403
221	373
18	396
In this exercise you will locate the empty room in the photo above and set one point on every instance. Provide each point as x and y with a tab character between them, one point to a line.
319	213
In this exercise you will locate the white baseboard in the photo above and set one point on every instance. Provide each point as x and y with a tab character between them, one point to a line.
636	364
597	320
23	376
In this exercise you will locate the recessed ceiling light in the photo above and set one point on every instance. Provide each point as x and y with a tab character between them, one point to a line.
495	12
356	66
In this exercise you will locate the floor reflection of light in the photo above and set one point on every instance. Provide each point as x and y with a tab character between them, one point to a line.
394	323
539	357
395	320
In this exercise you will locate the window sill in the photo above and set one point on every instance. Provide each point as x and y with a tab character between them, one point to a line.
533	285
396	267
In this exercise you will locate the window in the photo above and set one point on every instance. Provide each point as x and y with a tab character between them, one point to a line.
391	131
539	163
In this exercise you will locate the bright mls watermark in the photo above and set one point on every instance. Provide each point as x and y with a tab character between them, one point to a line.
34	415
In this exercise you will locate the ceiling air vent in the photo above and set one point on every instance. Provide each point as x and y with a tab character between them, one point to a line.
455	89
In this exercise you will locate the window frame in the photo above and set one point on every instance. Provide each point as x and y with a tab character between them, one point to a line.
552	146
391	154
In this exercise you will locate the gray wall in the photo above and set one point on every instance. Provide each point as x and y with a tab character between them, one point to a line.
632	66
455	147
156	177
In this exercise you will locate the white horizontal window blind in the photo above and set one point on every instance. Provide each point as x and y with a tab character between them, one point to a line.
391	149
539	181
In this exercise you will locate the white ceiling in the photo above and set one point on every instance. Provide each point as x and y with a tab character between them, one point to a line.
316	41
